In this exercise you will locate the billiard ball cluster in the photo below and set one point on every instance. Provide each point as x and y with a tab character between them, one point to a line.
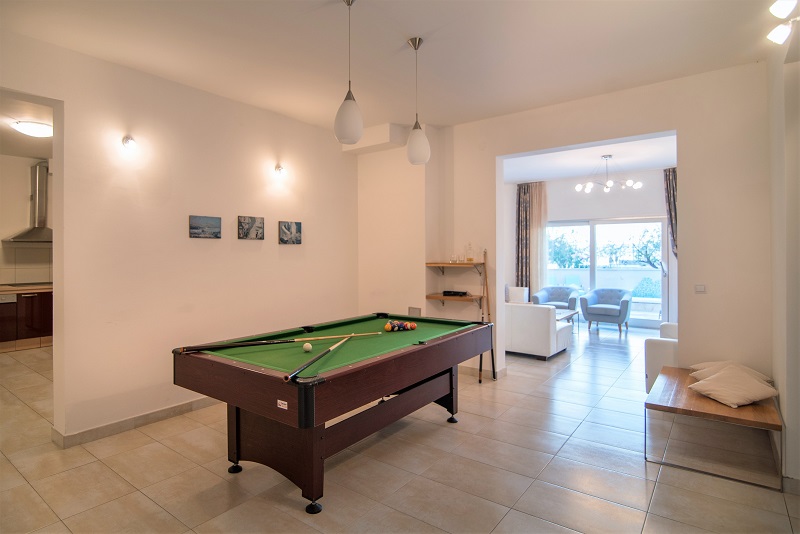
396	326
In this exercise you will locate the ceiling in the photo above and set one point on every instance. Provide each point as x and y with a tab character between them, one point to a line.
479	58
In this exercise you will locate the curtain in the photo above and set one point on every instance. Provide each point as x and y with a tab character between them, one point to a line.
671	192
531	254
523	254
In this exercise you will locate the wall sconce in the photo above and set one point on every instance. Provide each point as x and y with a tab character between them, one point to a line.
129	142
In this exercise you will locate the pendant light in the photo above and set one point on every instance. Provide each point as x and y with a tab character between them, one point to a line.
349	124
418	148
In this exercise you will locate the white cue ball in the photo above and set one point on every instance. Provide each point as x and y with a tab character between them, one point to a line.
307	347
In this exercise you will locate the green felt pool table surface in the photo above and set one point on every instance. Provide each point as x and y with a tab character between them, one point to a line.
286	357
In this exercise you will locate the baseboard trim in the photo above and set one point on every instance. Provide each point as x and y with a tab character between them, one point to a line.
79	438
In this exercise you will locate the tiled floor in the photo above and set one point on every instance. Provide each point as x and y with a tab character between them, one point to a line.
554	446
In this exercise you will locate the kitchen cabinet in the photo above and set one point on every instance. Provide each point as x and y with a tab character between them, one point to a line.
8	318
34	315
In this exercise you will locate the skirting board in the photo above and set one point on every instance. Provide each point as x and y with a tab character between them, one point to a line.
65	442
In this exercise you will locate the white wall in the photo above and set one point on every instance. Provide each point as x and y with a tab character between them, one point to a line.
391	223
129	283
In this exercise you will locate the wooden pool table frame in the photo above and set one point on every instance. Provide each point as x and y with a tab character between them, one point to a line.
283	424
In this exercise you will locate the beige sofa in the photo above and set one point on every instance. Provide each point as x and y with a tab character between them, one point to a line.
532	329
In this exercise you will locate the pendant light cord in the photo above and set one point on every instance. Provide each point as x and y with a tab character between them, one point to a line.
416	83
349	76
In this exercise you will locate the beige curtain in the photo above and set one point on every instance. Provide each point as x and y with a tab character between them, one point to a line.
531	249
538	236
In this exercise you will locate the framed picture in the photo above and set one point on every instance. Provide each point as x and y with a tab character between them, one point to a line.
202	226
290	233
250	227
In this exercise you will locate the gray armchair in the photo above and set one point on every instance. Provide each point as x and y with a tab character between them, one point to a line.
562	297
607	306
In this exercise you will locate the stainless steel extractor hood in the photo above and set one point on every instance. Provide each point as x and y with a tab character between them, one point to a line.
38	231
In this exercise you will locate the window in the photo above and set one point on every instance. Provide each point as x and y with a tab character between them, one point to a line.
618	254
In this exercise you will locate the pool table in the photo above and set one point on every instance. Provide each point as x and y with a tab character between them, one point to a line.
364	384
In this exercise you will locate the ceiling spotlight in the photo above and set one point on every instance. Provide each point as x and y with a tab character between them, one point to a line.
129	142
782	8
348	124
278	169
33	129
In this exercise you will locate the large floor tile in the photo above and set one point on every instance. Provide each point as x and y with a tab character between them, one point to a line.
655	524
520	460
655	427
530	438
409	456
148	464
713	513
616	437
131	513
516	522
200	445
381	519
251	517
576	397
730	490
42	461
479	479
9	476
608	457
341	506
211	414
445	507
544	421
578	511
555	407
612	486
23	510
196	496
254	478
124	441
445	438
170	427
792	504
467	421
81	488
362	474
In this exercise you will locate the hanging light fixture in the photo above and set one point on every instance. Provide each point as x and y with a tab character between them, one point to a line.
782	9
418	148
33	129
608	184
349	124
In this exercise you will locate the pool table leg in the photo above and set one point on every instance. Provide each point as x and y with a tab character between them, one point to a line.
450	401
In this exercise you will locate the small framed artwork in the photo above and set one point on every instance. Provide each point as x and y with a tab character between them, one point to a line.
205	227
251	227
290	233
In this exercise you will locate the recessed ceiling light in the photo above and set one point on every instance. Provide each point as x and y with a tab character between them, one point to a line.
33	129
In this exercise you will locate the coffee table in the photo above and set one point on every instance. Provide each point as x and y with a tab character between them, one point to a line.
566	315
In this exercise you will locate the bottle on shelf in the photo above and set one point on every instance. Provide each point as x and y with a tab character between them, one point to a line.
470	253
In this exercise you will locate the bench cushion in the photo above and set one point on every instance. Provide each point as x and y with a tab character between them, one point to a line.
734	387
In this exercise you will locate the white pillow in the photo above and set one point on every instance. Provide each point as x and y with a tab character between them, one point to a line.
734	387
706	369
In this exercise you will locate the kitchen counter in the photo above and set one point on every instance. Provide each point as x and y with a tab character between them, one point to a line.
25	288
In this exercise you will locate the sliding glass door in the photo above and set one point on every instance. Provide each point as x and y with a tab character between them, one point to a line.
628	254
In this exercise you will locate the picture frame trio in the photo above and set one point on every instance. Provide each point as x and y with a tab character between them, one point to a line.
250	228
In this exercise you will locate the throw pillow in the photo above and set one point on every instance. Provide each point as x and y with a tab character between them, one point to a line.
719	365
734	387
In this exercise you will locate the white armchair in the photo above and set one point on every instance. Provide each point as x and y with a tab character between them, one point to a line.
532	329
659	352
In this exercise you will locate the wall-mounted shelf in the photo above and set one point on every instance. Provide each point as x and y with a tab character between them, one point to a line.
441	266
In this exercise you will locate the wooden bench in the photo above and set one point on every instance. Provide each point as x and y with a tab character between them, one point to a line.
671	393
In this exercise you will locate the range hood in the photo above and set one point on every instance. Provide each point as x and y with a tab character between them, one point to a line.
38	231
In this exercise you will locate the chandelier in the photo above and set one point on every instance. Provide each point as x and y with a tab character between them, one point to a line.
608	184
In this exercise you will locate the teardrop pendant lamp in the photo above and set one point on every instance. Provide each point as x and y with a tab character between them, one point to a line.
349	124
418	148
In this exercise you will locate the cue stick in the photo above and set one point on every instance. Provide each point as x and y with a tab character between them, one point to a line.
313	360
234	344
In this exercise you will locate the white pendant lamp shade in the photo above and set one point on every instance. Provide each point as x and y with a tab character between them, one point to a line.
783	8
418	148
780	33
349	124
